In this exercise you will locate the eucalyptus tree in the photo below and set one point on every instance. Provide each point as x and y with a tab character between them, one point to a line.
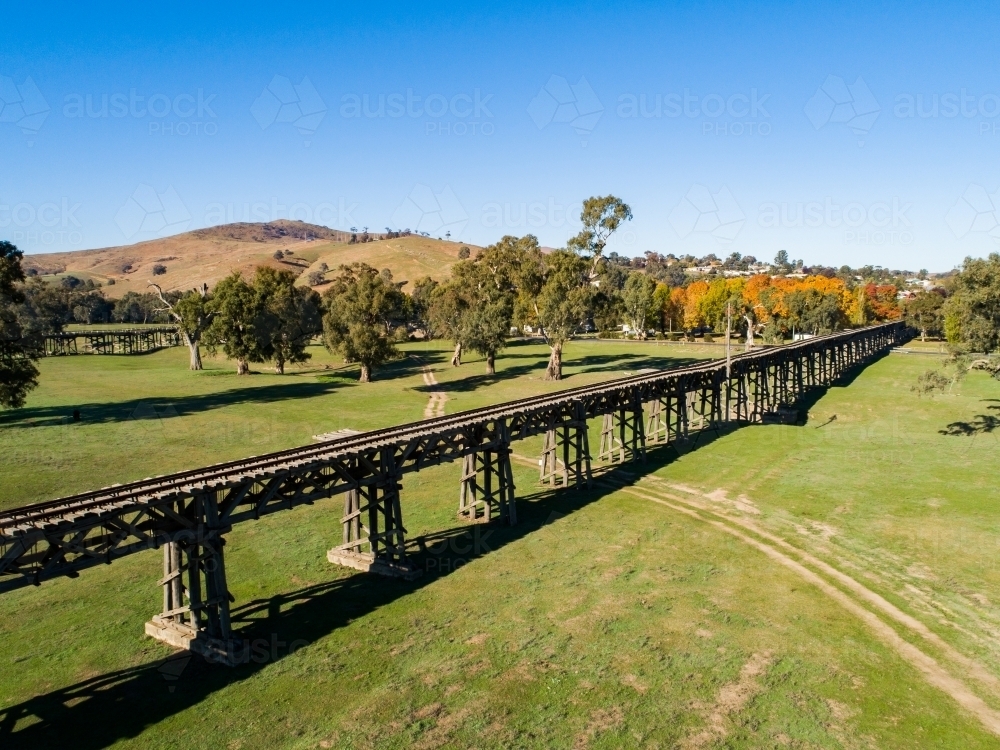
637	298
556	296
475	308
235	309
18	352
363	308
972	313
193	316
289	317
601	217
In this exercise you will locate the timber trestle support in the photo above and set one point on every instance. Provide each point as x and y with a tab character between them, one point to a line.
187	515
566	451
196	598
486	489
374	536
623	434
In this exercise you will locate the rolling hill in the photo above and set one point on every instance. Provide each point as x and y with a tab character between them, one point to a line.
207	255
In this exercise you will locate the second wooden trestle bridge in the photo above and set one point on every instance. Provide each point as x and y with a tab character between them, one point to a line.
112	341
188	514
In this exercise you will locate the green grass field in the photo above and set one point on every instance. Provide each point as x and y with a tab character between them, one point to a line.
831	584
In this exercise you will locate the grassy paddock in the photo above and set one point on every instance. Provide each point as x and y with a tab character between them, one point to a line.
646	612
148	414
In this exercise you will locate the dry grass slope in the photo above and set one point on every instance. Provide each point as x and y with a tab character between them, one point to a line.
207	255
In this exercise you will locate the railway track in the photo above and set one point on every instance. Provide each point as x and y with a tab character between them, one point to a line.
218	475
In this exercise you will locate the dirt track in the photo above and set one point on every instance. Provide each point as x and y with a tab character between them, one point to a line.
853	596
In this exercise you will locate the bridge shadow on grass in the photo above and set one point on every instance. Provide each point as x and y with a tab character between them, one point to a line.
118	705
326	382
102	710
805	404
166	408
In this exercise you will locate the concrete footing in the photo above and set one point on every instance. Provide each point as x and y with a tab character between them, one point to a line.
368	565
188	639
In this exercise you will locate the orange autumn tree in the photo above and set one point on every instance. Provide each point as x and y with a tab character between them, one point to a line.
673	309
693	316
883	301
669	307
769	299
760	304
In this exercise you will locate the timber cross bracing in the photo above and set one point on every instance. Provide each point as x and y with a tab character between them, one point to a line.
189	513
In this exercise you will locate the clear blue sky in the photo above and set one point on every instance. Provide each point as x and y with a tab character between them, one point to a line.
843	134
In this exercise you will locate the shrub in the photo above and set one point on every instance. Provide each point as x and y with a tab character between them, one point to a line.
159	269
464	252
315	278
278	255
110	282
708	339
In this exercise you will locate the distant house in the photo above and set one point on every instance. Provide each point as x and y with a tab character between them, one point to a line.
702	269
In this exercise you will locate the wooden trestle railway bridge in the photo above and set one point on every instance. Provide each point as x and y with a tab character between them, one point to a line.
112	341
188	514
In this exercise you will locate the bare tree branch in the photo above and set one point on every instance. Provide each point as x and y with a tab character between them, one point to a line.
169	308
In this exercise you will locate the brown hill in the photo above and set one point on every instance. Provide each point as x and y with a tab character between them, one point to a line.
207	255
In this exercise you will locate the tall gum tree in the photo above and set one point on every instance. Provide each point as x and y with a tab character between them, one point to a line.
18	352
236	308
476	306
972	313
557	297
449	306
193	317
496	278
638	298
289	317
601	217
363	306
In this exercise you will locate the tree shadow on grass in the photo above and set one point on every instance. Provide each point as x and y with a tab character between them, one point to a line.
980	424
166	408
326	382
571	367
636	362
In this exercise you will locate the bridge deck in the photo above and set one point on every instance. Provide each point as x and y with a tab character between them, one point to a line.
188	514
218	476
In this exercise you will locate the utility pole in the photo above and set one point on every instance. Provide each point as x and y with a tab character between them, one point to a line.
729	323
